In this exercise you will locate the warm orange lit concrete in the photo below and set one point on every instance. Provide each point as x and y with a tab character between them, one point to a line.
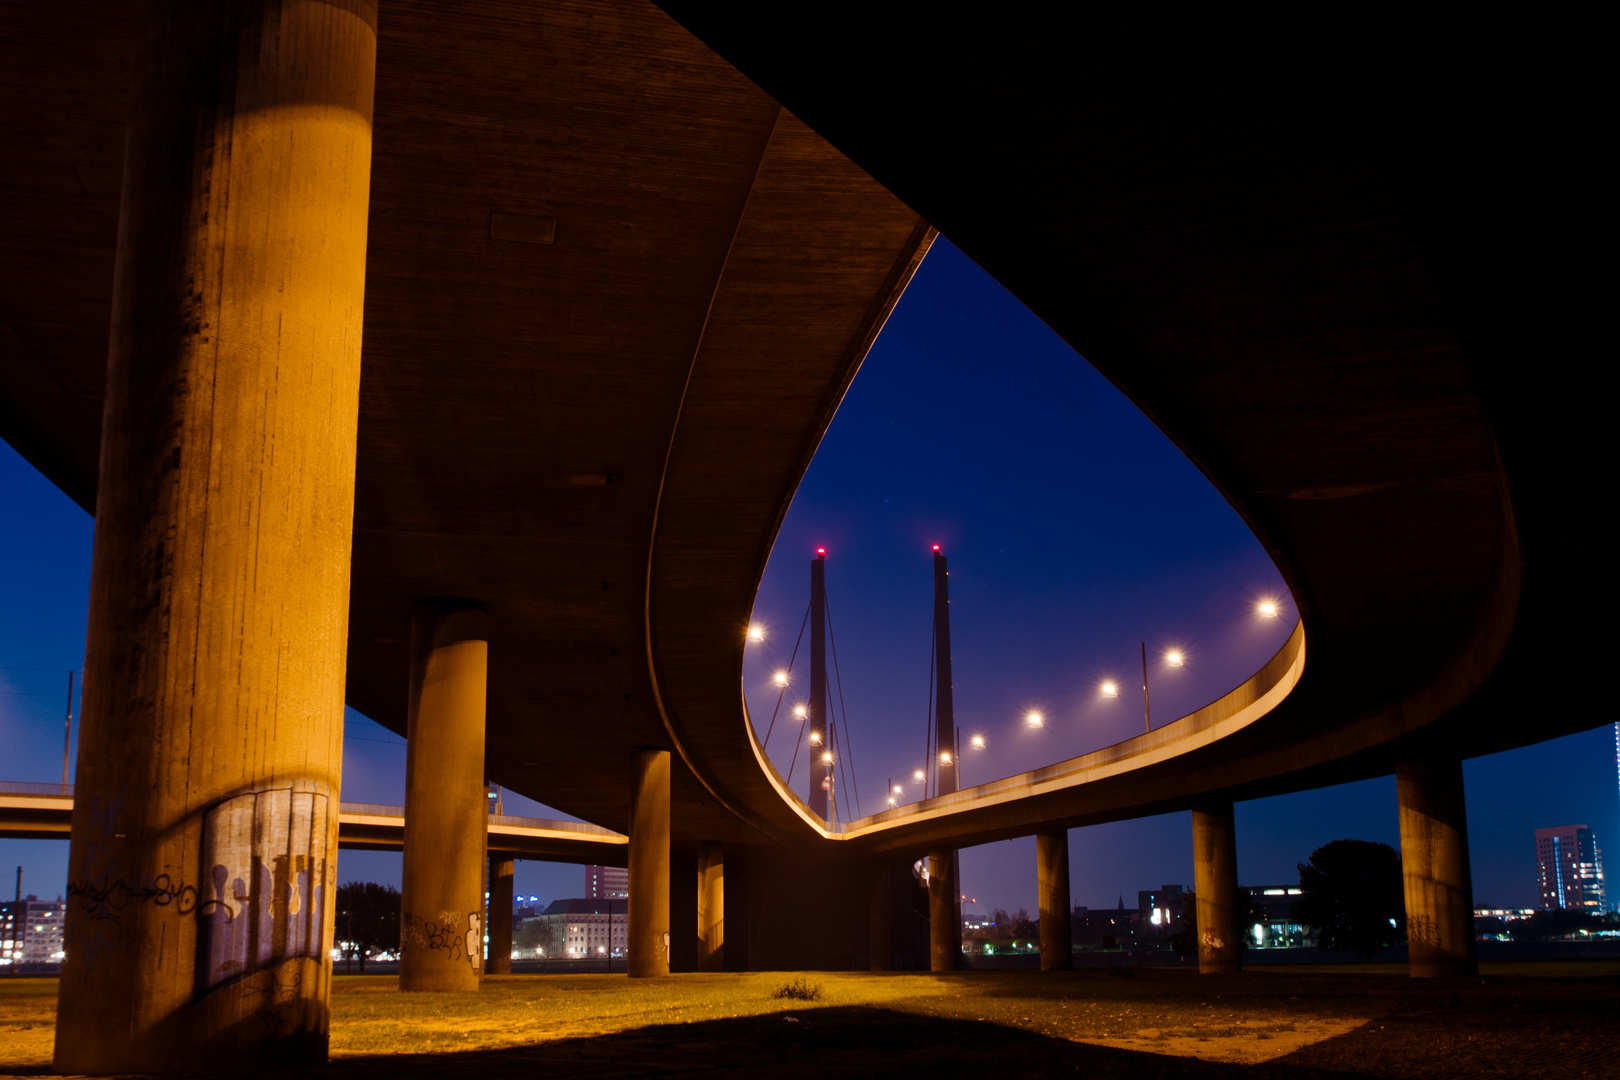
1220	950
1434	864
1052	872
649	940
500	916
205	827
944	918
711	907
446	812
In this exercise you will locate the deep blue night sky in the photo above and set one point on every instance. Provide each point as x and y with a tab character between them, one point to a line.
1075	530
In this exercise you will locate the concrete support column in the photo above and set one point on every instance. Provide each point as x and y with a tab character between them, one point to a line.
1052	869
649	864
211	745
1215	882
882	942
500	915
1434	864
446	812
944	924
711	891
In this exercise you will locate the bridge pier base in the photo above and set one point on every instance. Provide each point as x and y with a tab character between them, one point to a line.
944	920
500	915
1434	864
210	750
711	907
446	811
1215	882
1052	872
649	937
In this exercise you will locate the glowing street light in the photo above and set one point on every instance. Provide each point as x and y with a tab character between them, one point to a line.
1173	658
1110	690
827	757
1035	719
1268	609
897	790
815	738
800	710
919	776
945	758
780	678
978	741
756	633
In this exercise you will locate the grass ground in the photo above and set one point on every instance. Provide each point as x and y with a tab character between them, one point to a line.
1531	1019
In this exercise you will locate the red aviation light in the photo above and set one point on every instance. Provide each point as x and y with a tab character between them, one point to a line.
821	551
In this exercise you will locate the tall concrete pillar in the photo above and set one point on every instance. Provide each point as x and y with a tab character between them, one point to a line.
944	924
500	915
1220	949
649	939
711	891
882	941
1052	870
446	812
211	745
1434	864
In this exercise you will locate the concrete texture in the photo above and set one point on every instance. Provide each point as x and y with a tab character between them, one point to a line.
499	961
1215	881
649	930
1434	867
944	919
446	816
711	907
1052	883
205	828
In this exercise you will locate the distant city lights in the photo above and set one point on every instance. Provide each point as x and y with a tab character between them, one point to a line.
1110	690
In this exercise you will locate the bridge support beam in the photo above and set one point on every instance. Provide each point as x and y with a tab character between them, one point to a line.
711	910
211	746
944	922
1052	871
1434	863
1215	882
446	811
649	938
500	915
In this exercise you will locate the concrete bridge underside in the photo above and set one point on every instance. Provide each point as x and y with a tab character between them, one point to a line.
615	288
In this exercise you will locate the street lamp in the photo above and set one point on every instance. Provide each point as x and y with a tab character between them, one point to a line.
1035	719
800	710
780	678
978	742
1268	609
756	633
1110	690
1173	658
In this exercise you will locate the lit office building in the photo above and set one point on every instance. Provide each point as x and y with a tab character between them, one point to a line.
31	932
1271	907
1569	868
583	929
607	883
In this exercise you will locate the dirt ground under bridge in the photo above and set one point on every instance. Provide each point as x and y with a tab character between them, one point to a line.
1516	1020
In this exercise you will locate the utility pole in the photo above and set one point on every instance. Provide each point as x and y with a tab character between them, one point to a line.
945	740
1147	714
820	792
67	737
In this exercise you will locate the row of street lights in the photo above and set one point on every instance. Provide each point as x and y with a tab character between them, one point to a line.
1266	609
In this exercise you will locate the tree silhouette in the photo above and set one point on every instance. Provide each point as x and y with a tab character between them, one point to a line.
367	919
1351	892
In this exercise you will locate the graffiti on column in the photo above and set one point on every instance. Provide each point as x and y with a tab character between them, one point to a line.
444	935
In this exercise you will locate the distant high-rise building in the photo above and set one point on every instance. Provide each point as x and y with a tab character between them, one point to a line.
1569	866
31	931
607	883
